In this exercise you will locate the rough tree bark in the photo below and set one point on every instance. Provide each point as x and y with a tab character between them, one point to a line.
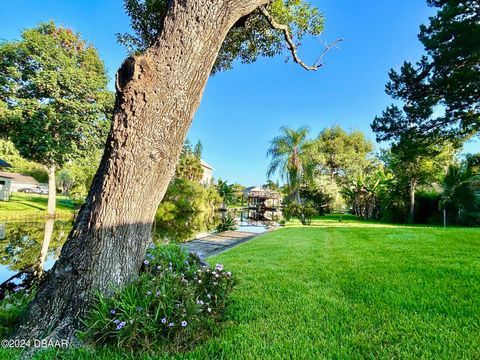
158	93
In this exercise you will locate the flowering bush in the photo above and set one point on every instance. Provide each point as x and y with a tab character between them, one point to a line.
175	301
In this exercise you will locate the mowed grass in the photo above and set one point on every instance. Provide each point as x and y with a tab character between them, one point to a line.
27	206
346	292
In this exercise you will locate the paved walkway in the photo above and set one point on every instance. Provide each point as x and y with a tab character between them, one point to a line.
216	243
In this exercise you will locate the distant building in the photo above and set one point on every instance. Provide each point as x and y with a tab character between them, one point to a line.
19	181
207	176
262	203
5	183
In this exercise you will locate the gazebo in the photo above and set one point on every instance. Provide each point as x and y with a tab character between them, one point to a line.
262	203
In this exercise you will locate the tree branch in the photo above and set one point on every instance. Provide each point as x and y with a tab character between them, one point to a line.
291	45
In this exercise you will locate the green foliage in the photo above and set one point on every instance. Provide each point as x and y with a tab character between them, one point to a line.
250	38
291	156
189	167
198	150
227	223
75	177
10	154
54	105
461	194
187	209
175	302
367	195
303	212
226	192
341	154
449	76
323	193
11	307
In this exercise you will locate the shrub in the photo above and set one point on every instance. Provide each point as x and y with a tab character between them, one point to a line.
11	307
227	223
175	301
303	212
306	213
290	210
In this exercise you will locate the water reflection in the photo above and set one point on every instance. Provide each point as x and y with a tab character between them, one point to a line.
21	245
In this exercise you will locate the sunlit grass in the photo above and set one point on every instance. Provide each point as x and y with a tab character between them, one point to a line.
346	292
28	206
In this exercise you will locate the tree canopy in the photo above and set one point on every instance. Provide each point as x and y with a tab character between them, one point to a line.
441	92
54	104
266	32
341	154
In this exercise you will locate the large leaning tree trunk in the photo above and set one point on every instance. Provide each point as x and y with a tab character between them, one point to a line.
158	93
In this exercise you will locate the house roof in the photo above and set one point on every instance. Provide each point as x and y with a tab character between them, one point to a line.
205	164
18	178
258	192
3	163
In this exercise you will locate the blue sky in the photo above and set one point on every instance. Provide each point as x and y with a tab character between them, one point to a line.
243	109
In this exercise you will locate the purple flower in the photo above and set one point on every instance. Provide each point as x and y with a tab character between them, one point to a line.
164	321
149	292
121	325
150	256
116	321
219	267
146	262
184	323
200	302
171	324
158	293
112	311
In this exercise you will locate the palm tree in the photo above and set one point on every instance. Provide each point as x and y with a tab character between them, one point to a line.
461	190
291	157
226	192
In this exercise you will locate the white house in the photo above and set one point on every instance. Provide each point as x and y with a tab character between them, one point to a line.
19	181
5	188
207	176
5	183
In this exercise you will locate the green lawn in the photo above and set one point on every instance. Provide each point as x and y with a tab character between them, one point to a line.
349	290
27	206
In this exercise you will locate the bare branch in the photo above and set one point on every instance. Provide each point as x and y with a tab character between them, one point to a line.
291	45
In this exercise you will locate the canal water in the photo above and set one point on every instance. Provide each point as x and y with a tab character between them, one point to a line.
21	243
